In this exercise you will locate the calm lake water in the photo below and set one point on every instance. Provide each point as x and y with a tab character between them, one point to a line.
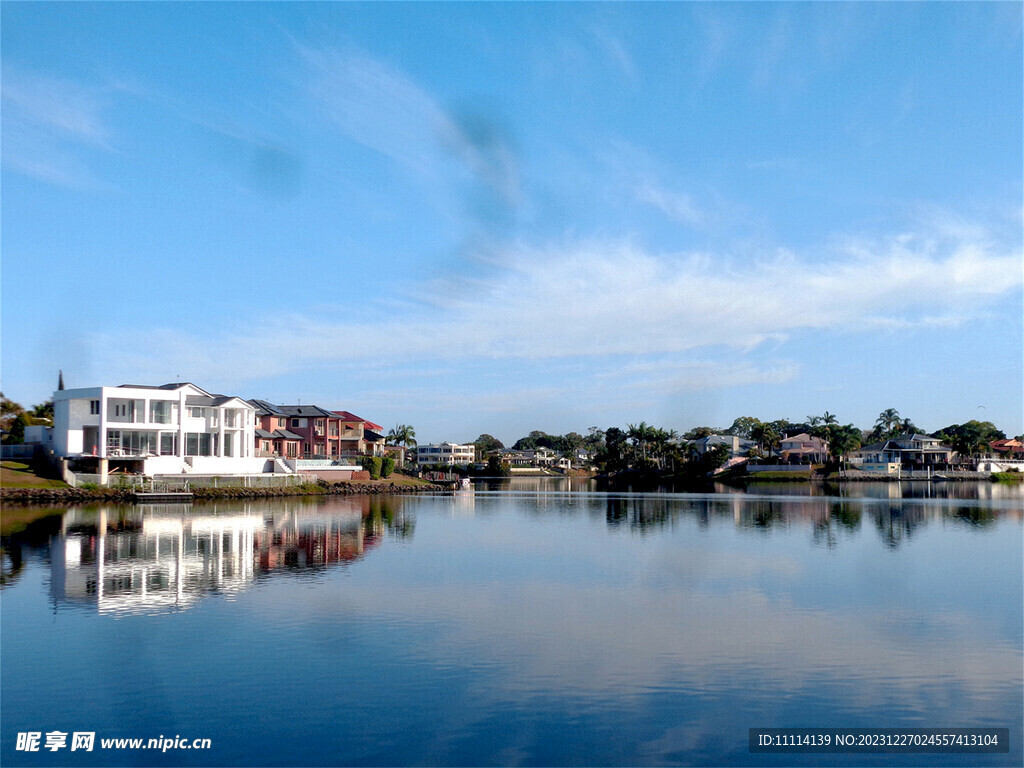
537	623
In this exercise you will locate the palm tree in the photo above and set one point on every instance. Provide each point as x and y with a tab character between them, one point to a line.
767	437
888	423
402	434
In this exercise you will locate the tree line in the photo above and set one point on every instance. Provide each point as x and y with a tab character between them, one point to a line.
647	447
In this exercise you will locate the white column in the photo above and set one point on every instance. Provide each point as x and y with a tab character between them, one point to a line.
102	437
220	431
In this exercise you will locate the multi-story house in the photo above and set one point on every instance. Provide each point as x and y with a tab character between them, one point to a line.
165	429
907	451
318	428
359	437
451	454
803	448
273	438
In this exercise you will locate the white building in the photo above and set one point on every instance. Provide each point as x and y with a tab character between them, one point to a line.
169	429
450	454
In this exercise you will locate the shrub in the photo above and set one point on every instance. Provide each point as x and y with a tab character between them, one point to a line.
373	465
387	466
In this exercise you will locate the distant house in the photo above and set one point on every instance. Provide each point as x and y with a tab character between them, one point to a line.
1006	448
318	429
451	454
273	438
539	458
738	446
908	451
803	449
358	436
165	429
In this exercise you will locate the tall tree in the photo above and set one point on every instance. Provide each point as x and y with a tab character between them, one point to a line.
743	426
487	443
842	440
887	424
402	434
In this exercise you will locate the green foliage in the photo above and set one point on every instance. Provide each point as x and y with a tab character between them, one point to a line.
402	434
498	468
889	424
842	440
487	443
562	444
713	458
16	434
387	466
970	438
743	426
89	486
1013	476
373	465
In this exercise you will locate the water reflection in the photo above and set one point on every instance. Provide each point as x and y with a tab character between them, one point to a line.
535	628
827	517
154	558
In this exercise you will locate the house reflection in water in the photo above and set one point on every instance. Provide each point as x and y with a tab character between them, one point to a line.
164	557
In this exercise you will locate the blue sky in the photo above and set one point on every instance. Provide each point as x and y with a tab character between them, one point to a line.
504	217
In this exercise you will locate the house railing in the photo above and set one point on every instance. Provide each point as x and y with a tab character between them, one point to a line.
185	483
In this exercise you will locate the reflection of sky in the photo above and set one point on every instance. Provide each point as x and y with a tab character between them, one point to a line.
533	632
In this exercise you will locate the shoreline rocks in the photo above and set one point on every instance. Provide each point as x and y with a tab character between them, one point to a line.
127	496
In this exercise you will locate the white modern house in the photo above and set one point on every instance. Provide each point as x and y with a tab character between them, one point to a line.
446	453
167	429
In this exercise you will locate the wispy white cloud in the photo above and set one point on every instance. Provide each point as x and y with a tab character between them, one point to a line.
593	301
49	124
617	53
382	108
675	205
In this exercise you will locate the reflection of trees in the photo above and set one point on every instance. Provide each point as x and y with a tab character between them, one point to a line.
640	513
388	513
975	516
898	522
12	562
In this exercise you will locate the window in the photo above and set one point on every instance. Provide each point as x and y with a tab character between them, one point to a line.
197	444
227	444
161	411
197	413
295	422
94	407
168	444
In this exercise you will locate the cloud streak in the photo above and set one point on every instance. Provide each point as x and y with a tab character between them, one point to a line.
382	108
48	124
595	302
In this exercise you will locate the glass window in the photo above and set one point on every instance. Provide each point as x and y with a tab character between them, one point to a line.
161	411
94	407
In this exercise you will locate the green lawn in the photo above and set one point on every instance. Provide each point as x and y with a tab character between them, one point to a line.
17	474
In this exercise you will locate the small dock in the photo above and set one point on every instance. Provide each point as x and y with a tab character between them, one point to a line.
162	497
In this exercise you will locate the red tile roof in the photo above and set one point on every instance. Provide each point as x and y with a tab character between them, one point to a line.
349	416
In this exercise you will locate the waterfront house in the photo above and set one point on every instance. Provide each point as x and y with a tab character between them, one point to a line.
450	454
273	438
803	449
166	429
1007	448
920	452
359	437
738	446
318	428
